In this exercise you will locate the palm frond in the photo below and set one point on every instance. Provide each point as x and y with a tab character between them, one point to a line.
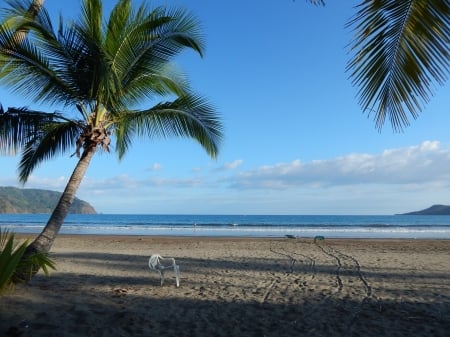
18	125
124	131
184	30
144	48
9	258
32	264
80	62
166	80
401	48
16	10
41	56
55	137
118	20
317	2
41	61
20	10
91	20
189	116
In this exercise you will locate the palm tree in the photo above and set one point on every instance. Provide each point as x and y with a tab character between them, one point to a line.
400	51
99	73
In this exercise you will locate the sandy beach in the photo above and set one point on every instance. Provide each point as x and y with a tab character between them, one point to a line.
236	287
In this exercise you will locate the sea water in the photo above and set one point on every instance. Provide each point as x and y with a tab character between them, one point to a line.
333	226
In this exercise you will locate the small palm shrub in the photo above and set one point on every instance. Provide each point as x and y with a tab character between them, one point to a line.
11	259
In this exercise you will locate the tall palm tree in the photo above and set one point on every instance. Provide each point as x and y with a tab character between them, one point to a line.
400	51
100	73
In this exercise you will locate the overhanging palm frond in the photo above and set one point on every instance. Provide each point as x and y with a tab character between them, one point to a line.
318	2
55	137
189	116
401	48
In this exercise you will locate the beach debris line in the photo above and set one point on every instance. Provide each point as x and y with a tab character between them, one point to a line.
120	292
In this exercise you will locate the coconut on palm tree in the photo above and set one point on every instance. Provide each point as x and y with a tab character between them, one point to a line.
105	77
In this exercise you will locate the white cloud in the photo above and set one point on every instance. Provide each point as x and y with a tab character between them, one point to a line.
156	167
394	180
56	184
234	164
231	165
426	163
124	184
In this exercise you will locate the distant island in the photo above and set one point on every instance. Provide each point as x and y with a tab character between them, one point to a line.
34	201
433	210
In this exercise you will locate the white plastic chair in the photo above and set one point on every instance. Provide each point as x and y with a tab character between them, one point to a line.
160	264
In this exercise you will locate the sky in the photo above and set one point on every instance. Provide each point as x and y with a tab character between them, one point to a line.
296	140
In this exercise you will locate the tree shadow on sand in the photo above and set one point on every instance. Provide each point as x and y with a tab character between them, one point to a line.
211	304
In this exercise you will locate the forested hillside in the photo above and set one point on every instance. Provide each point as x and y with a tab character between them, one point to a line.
29	201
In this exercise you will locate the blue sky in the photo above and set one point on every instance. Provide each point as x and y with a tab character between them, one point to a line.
296	141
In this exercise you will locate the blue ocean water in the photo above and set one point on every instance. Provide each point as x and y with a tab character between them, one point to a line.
333	226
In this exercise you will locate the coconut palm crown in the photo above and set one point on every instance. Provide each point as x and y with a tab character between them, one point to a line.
100	74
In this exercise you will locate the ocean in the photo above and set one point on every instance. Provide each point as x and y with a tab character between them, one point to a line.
332	226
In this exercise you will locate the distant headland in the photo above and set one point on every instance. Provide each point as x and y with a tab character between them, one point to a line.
433	210
33	201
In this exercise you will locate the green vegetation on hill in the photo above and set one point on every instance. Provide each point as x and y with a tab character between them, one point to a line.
24	200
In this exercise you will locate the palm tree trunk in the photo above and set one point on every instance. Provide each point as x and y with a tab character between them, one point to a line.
44	241
32	11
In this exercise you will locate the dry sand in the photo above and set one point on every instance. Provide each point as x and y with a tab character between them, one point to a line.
236	287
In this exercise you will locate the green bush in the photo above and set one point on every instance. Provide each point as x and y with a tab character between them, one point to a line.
11	259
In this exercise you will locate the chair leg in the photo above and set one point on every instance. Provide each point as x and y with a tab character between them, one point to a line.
176	270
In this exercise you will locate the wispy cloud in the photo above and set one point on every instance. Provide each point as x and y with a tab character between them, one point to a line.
233	165
426	163
48	183
155	167
230	165
125	182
